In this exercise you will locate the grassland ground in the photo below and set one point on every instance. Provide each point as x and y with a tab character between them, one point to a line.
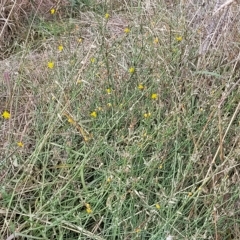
120	120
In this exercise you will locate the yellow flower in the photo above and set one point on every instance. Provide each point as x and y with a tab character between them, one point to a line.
155	41
60	47
92	60
179	38
144	134
107	15
141	86
109	179
80	40
131	69
147	115
89	210
20	144
51	64
70	120
160	166
157	206
87	205
190	194
52	11
154	96
137	230
108	90
93	114
126	30
109	104
79	81
6	114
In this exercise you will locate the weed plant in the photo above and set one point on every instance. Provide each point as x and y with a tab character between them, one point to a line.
115	127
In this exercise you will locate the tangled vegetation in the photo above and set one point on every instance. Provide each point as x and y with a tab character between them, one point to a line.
119	120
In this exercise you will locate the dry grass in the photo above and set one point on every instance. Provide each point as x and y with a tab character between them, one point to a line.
184	157
15	15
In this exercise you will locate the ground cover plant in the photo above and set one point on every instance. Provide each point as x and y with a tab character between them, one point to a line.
120	120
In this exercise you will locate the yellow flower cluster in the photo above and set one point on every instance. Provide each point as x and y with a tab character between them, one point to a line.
141	86
131	70
107	15
93	114
108	90
20	144
179	38
52	11
157	206
147	115
60	48
6	114
155	40
154	96
126	30
51	64
88	208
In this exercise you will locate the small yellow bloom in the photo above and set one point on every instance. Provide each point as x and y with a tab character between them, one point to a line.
109	179
70	120
126	30
157	206
20	144
78	81
88	205
160	166
155	41
109	104
141	86
92	60
147	115
107	15
88	208
137	230
60	47
93	114
6	114
145	134
80	40
179	38
99	109
190	194
154	96
51	64
108	90
52	11
131	69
